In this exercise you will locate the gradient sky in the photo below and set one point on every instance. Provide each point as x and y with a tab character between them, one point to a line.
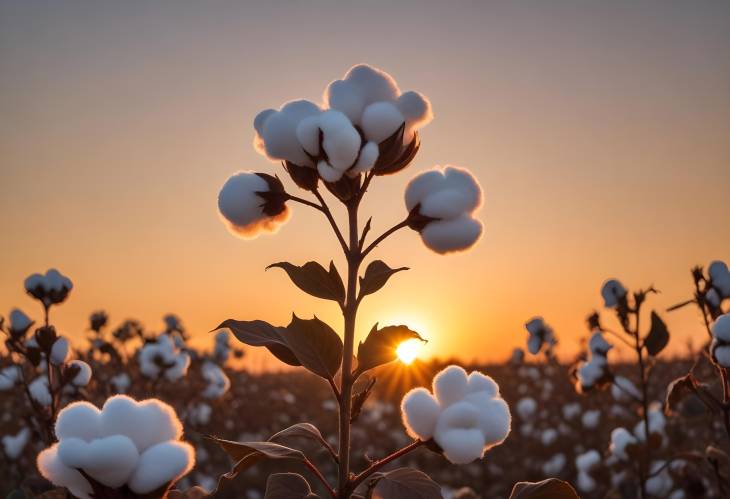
600	132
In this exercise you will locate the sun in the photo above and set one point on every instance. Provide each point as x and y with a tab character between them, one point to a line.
408	351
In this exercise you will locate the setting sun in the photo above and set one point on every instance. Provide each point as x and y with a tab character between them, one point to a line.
408	351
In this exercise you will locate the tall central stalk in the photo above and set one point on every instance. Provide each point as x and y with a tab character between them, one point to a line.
350	314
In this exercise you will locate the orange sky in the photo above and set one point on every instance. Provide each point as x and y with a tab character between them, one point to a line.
599	134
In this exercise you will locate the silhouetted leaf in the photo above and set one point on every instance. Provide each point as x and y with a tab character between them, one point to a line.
658	336
262	334
301	430
314	279
404	483
316	345
247	454
376	275
192	493
677	390
288	486
380	346
552	488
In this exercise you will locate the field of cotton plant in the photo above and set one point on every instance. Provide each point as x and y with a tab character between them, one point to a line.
124	410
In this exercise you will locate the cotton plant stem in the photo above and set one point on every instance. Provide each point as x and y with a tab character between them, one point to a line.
350	313
311	467
382	462
644	401
383	236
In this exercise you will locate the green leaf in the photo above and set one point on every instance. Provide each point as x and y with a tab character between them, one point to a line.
552	488
262	334
380	346
404	483
301	430
288	486
247	454
376	275
658	336
316	345
314	279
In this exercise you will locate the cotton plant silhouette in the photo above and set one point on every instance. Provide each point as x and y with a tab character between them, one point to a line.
366	128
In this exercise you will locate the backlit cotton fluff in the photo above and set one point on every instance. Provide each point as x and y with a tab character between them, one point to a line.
51	288
441	204
370	98
253	203
594	371
613	292
218	382
340	143
276	132
130	443
540	335
720	278
720	346
161	358
465	415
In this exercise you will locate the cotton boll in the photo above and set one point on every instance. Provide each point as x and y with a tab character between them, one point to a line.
721	328
450	385
243	208
362	85
713	298
621	438
145	423
720	276
342	95
39	391
161	464
590	419
110	460
420	186
571	410
420	413
53	470
80	420
494	419
612	292
120	382
461	446
448	236
279	132
478	382
14	445
340	140
327	172
308	134
178	370
9	377
381	120
721	354
368	156
19	322
554	465
218	382
549	437
534	343
588	461
260	120
84	375
59	351
526	408
661	483
585	482
623	390
598	344
455	193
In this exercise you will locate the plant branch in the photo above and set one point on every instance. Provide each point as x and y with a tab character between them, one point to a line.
320	477
328	213
383	236
382	462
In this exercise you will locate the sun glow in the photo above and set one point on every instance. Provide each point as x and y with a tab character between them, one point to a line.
408	351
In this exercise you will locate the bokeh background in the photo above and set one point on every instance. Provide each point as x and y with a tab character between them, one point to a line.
599	132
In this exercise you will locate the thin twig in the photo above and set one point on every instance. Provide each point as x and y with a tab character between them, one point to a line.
328	213
382	462
383	236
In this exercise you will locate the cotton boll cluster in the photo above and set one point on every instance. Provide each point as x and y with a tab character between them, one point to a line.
130	443
78	373
720	347
50	288
253	203
465	415
623	390
162	358
14	445
442	203
613	293
218	382
540	335
222	347
585	463
594	372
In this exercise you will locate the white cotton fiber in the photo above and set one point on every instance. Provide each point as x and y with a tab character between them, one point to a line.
146	423
242	208
612	292
450	385
120	382
161	464
720	276
308	134
368	156
79	420
549	437
526	408
465	417
18	320
590	419
380	120
53	470
218	382
554	465
84	375
598	343
14	445
585	482
588	461
571	410
59	351
39	391
623	390
9	377
420	413
415	108
621	438
110	460
448	236
721	328
279	131
362	85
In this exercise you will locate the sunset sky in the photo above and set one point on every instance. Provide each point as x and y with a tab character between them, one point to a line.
600	133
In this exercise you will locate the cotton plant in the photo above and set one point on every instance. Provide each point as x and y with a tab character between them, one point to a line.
125	449
541	337
161	359
365	128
